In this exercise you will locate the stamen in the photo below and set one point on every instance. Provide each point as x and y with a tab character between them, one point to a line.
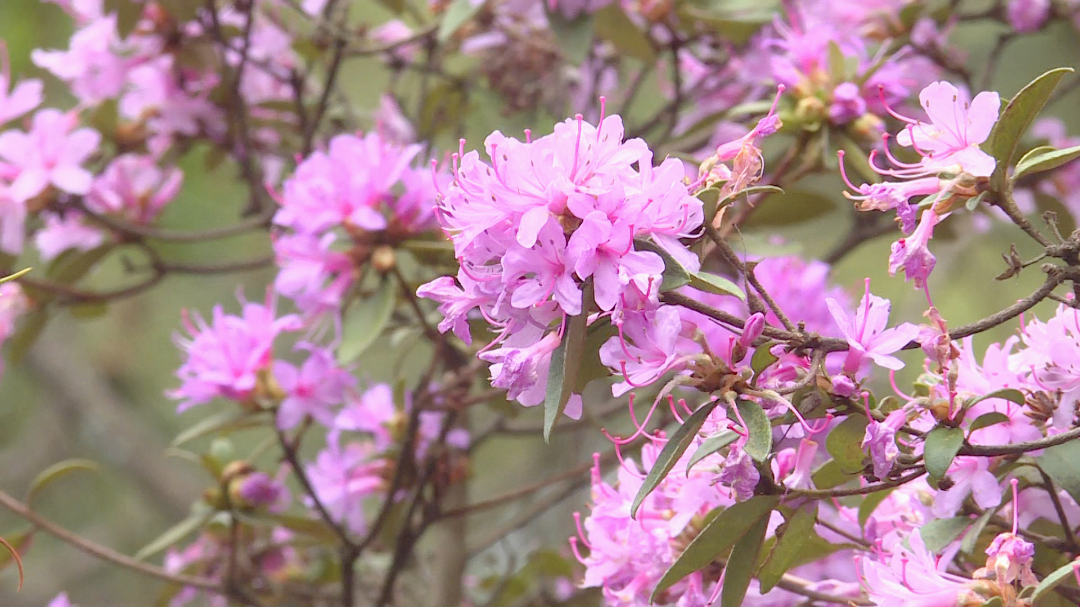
574	549
843	172
865	311
892	382
581	531
1016	505
885	104
603	108
577	145
435	177
528	135
671	404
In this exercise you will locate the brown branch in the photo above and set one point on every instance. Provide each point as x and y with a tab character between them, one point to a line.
102	552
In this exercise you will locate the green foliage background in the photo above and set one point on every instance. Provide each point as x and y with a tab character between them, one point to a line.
94	387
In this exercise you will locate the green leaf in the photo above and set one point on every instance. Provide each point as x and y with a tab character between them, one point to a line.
457	14
1017	117
575	36
942	445
364	321
941	532
199	517
1009	394
831	474
988	419
225	422
844	443
763	358
14	276
613	25
797	532
1059	463
1045	161
791	207
1055	579
711	445
677	445
972	536
739	571
711	283
753	190
590	367
836	63
718	537
675	275
57	471
565	365
871	502
73	264
759	443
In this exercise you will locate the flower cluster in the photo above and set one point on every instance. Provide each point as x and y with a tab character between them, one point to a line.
949	168
550	221
361	188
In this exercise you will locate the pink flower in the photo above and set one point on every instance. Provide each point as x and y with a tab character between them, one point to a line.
970	476
61	600
344	476
311	272
26	96
258	489
912	254
956	129
880	442
225	358
95	66
312	390
867	336
13	304
52	153
1027	15
65	232
134	187
911	578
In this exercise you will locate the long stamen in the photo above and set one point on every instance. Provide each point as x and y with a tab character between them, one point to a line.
574	549
577	145
865	311
892	382
885	104
603	108
893	159
1016	505
843	171
581	531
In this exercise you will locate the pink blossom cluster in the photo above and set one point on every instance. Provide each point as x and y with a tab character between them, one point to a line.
339	205
949	167
547	217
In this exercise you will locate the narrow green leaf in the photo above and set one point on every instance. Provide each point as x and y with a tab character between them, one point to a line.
613	25
711	283
717	538
836	63
1009	394
73	264
971	538
750	191
1017	117
675	275
739	571
1033	152
225	422
870	503
844	443
677	445
830	475
457	14
939	533
14	276
364	321
1059	463
988	419
797	533
57	471
194	522
1046	161
575	36
759	443
1055	579
942	445
711	445
565	365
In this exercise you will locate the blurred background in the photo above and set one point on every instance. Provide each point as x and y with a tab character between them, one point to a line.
93	387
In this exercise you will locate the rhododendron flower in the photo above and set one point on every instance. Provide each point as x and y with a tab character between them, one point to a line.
225	357
970	476
880	442
134	187
313	389
52	153
343	476
1027	15
957	127
867	336
95	66
64	232
259	489
25	96
911	253
13	304
61	600
911	578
